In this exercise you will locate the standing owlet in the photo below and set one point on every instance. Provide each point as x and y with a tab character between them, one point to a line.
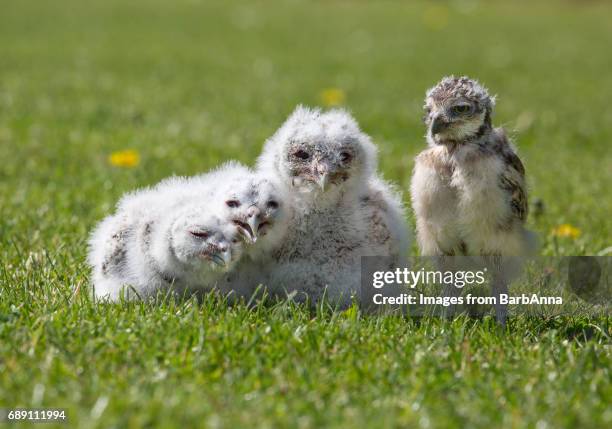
468	187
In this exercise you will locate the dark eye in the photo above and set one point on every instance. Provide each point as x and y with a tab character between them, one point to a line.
235	240
462	109
346	157
272	204
301	154
200	234
233	203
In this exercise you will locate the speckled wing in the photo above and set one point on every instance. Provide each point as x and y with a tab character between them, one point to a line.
512	180
387	233
114	258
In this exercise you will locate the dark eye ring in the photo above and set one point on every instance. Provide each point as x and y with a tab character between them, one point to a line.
462	108
272	204
345	156
233	203
200	234
301	154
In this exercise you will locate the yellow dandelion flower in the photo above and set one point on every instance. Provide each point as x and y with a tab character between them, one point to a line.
332	97
566	230
124	158
436	17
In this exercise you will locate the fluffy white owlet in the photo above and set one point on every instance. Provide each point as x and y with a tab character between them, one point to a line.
267	216
326	167
184	251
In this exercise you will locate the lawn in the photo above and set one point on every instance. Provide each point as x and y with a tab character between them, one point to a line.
189	84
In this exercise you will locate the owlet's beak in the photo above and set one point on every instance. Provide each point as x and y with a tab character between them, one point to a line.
253	222
227	256
438	125
249	229
245	230
223	257
322	172
218	259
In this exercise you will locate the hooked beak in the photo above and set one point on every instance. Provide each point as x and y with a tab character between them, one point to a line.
253	219
323	180
322	176
438	125
245	231
227	257
223	258
253	223
218	259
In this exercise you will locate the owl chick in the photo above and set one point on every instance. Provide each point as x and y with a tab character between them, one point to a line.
267	217
241	200
326	167
468	187
183	252
110	240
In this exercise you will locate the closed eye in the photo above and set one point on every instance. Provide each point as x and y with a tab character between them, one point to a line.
200	234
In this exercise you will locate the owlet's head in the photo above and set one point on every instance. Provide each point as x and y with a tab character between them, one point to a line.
318	152
253	204
199	239
457	110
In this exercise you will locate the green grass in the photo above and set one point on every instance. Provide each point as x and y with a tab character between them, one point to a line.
189	84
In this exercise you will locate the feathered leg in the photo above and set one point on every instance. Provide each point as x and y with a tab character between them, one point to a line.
499	285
